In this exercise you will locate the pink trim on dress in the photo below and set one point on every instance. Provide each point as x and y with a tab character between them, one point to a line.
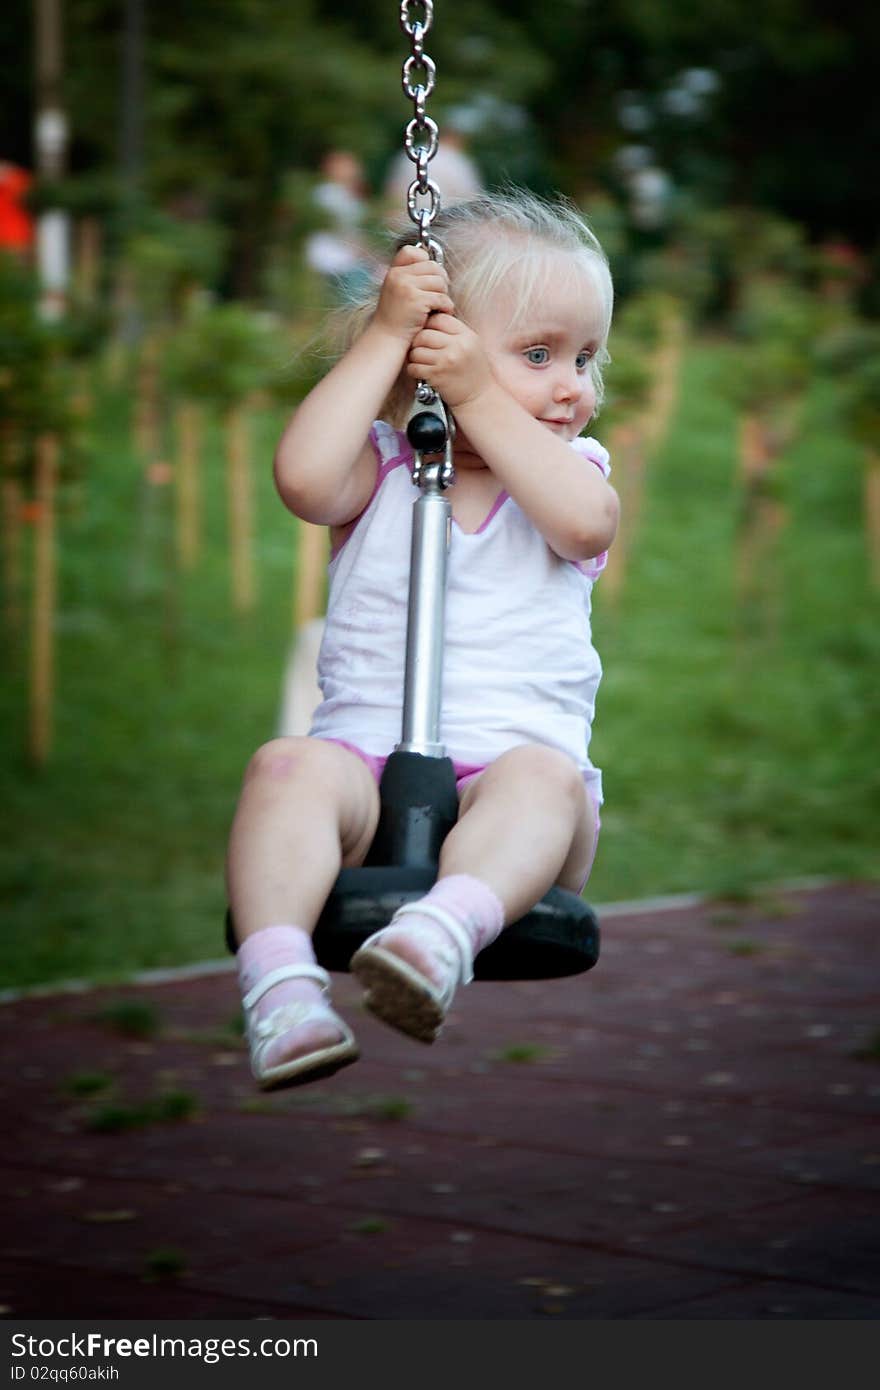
587	447
464	772
385	467
495	508
591	449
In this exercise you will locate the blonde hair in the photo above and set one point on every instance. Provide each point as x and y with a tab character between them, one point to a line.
488	239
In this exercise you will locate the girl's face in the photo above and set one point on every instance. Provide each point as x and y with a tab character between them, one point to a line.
541	355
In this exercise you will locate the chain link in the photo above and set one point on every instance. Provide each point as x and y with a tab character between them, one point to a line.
421	136
421	140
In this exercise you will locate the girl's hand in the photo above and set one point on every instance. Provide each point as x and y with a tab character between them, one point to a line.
450	357
414	287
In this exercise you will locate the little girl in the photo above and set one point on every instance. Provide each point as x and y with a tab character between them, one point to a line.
512	332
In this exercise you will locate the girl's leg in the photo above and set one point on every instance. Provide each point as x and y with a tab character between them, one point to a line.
307	807
524	824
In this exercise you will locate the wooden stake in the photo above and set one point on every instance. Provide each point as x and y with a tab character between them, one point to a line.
238	491
754	454
189	493
665	376
627	448
872	514
146	405
10	519
301	695
88	259
117	355
43	603
763	520
311	565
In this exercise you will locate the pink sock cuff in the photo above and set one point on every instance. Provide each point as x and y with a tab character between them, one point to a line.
270	947
473	902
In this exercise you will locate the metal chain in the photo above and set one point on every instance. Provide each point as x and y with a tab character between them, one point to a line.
421	139
422	135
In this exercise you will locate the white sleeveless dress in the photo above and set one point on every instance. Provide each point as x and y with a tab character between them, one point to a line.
519	661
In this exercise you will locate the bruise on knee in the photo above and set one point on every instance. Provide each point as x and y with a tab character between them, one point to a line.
279	767
274	762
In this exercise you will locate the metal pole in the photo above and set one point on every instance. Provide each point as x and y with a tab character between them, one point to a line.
423	679
429	432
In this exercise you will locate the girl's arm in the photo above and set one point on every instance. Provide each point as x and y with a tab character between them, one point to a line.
565	495
325	469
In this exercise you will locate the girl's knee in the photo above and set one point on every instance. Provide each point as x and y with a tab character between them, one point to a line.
548	768
280	761
285	763
289	771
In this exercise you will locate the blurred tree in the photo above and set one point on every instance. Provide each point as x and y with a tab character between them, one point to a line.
852	352
169	260
778	323
224	356
735	103
36	389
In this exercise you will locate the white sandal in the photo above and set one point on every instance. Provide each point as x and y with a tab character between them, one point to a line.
262	1032
400	994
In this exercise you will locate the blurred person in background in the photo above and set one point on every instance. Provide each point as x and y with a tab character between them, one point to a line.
339	252
453	169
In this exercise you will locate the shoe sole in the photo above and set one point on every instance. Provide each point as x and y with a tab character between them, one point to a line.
304	1069
398	994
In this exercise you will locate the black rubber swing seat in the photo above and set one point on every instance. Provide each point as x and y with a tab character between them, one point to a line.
558	937
419	804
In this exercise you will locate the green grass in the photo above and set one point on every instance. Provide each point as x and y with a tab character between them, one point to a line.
731	759
166	1262
116	1116
370	1226
87	1083
870	1051
521	1053
131	1018
115	859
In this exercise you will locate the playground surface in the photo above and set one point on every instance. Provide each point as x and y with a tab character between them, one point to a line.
689	1131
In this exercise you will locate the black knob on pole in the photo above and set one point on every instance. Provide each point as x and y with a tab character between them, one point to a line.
426	433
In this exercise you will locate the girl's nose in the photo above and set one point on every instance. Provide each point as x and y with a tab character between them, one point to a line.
569	386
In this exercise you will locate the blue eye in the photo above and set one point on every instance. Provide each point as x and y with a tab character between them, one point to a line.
582	360
537	356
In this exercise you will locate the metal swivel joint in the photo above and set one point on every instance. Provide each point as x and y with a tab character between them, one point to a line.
426	433
430	433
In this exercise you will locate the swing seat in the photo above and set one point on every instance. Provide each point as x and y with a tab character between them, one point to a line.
560	936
